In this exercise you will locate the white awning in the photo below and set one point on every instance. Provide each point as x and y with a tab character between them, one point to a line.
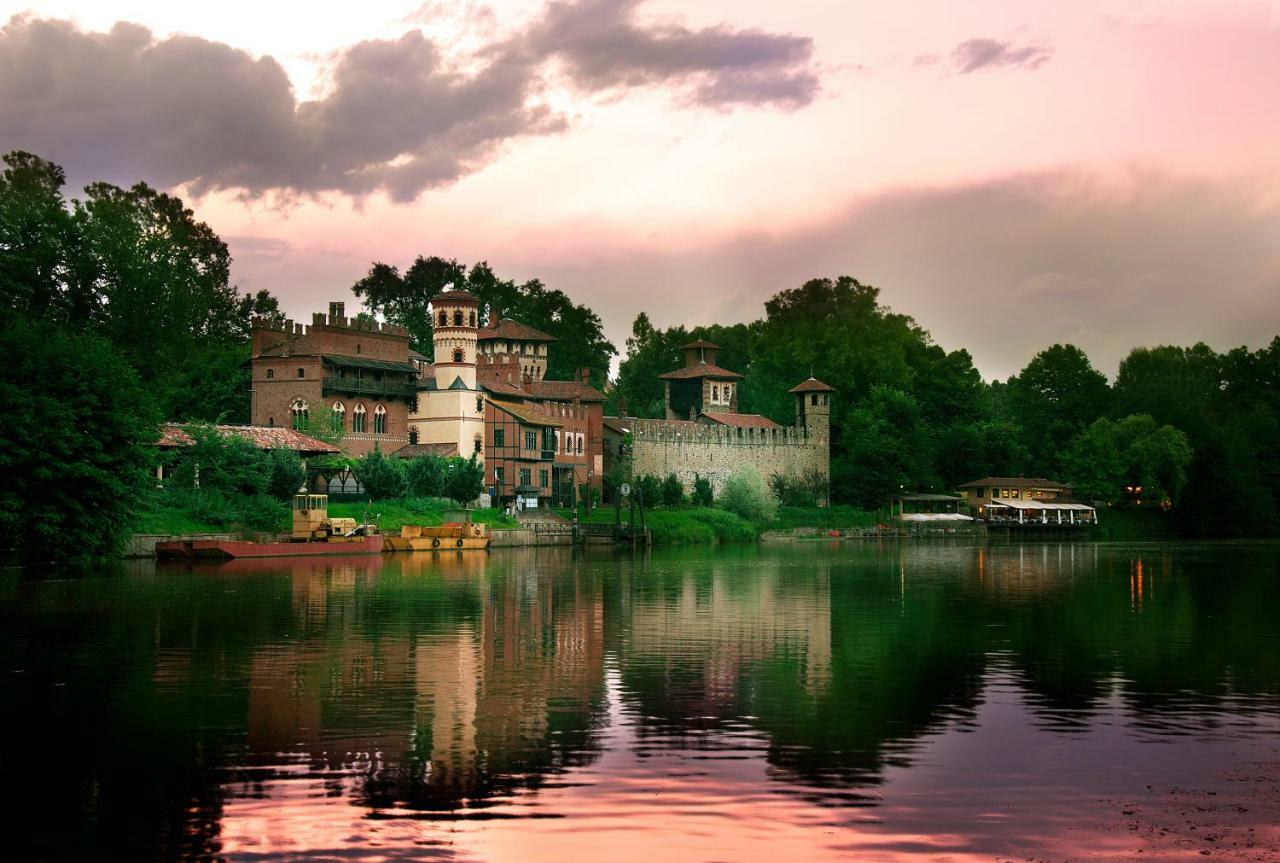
936	516
1049	505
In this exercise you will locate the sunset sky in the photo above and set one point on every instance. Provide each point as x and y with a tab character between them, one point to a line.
1012	174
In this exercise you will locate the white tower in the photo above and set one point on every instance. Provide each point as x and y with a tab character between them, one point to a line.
451	407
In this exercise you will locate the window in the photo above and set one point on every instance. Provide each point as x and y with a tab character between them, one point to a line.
530	440
479	404
271	421
413	435
457	317
542	479
444	319
300	413
813	399
302	373
497	476
568	443
581	437
472	319
357	347
380	420
715	393
271	373
499	437
357	419
1004	492
557	441
338	417
457	355
478	445
525	479
728	393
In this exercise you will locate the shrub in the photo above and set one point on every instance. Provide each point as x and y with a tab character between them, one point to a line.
701	490
650	488
381	477
672	490
791	491
746	495
424	476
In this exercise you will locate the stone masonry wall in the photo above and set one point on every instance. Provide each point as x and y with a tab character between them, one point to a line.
690	449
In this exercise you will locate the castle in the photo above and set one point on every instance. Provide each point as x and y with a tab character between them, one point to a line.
715	439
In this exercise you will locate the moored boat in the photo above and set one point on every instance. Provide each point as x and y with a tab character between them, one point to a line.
452	536
219	549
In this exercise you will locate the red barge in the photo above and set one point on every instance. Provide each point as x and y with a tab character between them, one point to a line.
314	533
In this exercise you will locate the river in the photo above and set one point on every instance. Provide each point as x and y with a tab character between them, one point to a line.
808	701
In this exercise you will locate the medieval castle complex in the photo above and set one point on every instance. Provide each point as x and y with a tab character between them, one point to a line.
484	392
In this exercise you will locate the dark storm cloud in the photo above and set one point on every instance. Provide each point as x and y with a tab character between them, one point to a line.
124	104
975	54
603	46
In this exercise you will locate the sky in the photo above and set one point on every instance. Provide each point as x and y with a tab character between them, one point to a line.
1012	174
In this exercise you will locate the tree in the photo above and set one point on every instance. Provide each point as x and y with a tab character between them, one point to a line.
383	478
746	494
464	479
1054	398
650	489
425	476
1133	458
77	437
285	473
672	491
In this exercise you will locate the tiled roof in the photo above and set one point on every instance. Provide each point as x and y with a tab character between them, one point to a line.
621	425
1014	482
505	328
812	385
414	450
455	296
527	414
565	391
743	421
702	370
263	437
700	343
366	363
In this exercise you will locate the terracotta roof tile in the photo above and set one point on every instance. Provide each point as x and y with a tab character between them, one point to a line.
812	385
702	370
1015	482
414	450
743	421
263	437
505	328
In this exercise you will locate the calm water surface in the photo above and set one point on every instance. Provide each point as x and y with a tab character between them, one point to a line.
790	702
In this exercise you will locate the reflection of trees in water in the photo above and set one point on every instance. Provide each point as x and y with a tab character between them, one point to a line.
436	681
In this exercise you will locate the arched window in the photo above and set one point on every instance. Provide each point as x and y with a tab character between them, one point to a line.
458	356
580	437
715	393
300	412
302	373
444	319
379	420
478	445
357	419
479	404
338	418
413	435
271	373
557	441
457	317
473	319
271	421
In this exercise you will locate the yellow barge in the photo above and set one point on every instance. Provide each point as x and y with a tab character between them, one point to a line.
452	536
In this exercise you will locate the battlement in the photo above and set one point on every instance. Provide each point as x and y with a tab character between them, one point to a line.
684	432
332	322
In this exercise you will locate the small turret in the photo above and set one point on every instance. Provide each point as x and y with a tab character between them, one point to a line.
813	406
454	329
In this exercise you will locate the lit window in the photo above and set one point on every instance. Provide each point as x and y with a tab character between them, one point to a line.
357	419
380	420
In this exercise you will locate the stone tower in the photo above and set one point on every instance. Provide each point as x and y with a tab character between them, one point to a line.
813	406
454	327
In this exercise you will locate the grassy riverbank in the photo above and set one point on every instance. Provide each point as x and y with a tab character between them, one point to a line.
195	511
700	525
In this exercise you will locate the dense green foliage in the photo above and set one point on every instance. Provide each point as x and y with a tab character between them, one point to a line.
382	477
391	515
404	300
464	479
75	443
746	495
1192	427
685	525
672	491
702	492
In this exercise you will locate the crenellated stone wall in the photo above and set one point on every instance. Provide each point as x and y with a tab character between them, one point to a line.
691	449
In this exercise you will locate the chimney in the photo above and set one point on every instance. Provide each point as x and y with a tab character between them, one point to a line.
337	311
526	382
584	375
